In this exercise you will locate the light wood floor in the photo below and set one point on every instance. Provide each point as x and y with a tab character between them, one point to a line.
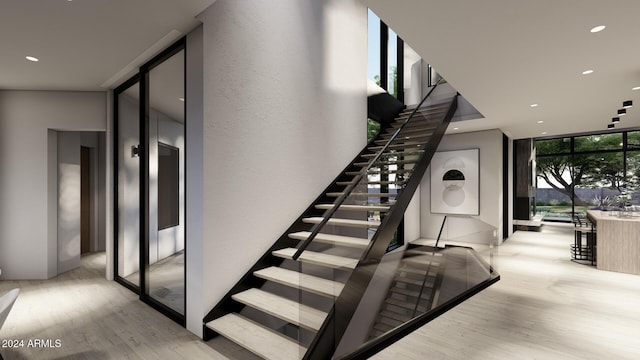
544	307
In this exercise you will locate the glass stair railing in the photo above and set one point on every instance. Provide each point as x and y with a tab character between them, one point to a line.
299	299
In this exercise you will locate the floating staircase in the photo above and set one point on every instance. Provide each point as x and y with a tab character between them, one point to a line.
298	299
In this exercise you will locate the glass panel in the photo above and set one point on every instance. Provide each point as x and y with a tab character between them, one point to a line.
166	183
373	47
633	177
392	69
553	146
554	186
633	140
129	185
599	180
598	142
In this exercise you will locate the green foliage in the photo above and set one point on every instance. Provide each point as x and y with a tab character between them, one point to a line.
591	167
373	128
394	76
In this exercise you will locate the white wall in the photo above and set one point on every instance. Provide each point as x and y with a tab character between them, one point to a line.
68	201
475	229
26	215
284	112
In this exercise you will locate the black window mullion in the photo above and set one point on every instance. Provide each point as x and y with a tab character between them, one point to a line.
384	56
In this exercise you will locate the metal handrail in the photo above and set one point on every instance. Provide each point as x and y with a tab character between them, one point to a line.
347	192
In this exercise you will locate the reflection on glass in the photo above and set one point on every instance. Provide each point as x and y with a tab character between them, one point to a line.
415	285
167	183
553	146
598	142
392	64
632	184
633	139
129	185
554	187
599	180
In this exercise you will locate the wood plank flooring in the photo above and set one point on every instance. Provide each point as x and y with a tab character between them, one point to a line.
544	307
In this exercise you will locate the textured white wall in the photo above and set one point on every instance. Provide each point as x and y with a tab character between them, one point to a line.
470	228
284	112
25	216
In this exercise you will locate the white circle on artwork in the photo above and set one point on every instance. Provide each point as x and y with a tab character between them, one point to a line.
453	198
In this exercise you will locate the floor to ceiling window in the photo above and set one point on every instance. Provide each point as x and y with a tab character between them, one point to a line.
150	188
590	171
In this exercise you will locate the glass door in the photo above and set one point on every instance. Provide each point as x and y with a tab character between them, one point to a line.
150	165
165	182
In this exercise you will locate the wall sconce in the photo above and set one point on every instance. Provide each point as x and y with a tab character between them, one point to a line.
135	151
627	104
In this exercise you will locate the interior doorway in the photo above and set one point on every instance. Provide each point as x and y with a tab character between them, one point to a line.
80	186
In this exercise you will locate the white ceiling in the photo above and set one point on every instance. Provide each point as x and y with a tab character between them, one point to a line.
504	55
86	44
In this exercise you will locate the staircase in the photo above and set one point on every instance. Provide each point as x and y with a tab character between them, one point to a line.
298	299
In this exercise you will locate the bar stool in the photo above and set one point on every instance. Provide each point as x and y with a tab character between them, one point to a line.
587	229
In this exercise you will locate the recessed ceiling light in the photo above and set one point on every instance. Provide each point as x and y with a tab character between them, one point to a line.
587	72
540	121
598	28
627	104
636	88
181	99
534	105
456	128
611	126
31	58
544	133
622	112
615	119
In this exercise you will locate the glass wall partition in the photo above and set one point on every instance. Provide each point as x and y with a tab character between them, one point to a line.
150	191
598	171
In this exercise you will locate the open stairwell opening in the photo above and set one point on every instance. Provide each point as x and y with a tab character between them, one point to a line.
328	288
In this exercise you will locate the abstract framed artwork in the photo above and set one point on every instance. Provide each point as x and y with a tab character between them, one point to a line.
455	182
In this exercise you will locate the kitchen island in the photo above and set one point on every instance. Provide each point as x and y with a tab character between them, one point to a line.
618	241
